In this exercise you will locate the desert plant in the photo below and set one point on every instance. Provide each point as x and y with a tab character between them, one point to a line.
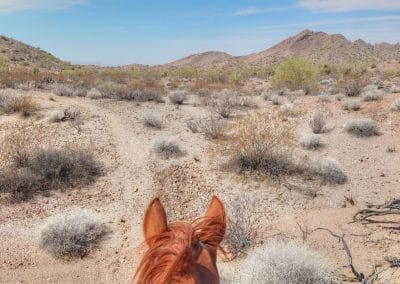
372	95
167	148
261	142
277	100
354	86
283	91
212	127
16	103
72	233
395	105
288	109
328	170
223	103
178	97
352	105
311	142
362	127
151	120
317	122
94	94
283	262
295	73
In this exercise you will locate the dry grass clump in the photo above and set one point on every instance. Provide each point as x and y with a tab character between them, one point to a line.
395	105
48	169
372	95
167	148
212	127
178	97
277	100
16	103
311	142
317	122
352	105
94	94
68	91
328	170
261	142
152	121
288	109
284	262
223	103
72	233
364	127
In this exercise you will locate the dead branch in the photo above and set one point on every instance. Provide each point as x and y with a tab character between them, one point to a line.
368	215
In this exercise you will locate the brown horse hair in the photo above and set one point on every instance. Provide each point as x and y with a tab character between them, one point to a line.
174	252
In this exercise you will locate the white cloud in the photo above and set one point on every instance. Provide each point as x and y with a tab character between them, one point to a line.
11	6
254	10
348	5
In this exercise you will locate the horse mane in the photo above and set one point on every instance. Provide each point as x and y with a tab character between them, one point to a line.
174	252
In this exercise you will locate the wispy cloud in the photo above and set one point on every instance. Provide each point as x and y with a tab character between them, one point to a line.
348	5
11	6
254	10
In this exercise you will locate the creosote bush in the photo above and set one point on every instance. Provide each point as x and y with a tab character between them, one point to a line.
178	97
223	103
152	121
311	142
328	170
283	263
49	169
212	127
295	73
72	233
372	95
261	142
167	148
363	127
317	122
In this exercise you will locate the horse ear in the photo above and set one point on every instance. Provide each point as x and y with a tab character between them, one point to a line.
216	211
155	221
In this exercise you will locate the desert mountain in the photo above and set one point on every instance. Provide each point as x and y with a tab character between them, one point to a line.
319	47
16	53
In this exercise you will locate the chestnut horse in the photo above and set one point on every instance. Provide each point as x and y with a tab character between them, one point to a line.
181	252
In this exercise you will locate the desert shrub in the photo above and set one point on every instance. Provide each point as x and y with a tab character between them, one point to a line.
277	100
354	86
283	91
178	97
223	103
395	105
284	262
68	91
167	148
47	169
94	94
352	105
295	73
261	142
362	127
72	233
242	232
328	170
324	98
151	120
212	127
287	109
372	95
311	142
16	103
317	122
395	89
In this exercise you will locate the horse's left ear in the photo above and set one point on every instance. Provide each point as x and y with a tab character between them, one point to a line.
216	212
155	221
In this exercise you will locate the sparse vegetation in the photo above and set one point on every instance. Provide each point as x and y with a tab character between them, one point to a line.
328	170
152	121
284	262
178	97
288	109
223	103
295	73
362	127
16	103
212	127
277	100
317	122
372	95
353	86
167	148
72	233
261	142
311	142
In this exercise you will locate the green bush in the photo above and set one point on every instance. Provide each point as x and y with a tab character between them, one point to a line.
295	73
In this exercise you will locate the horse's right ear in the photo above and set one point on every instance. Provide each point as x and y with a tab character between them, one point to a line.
155	221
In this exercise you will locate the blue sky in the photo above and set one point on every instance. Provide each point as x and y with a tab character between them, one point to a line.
118	32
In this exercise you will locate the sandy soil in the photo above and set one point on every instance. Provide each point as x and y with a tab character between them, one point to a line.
134	174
